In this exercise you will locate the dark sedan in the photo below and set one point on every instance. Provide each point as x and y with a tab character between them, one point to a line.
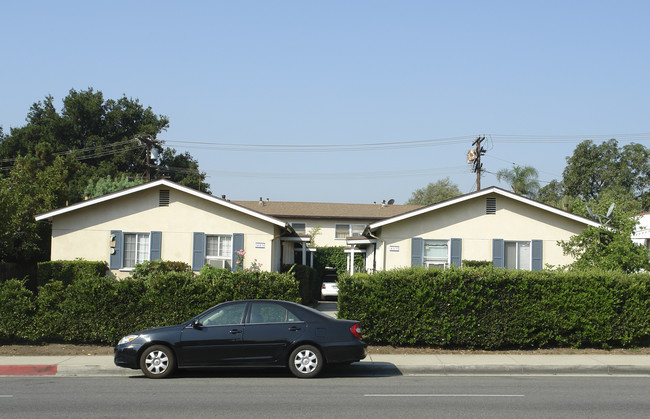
246	333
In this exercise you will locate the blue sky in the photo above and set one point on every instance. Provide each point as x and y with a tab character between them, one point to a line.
536	78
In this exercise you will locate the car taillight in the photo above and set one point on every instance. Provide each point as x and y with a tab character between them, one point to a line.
356	330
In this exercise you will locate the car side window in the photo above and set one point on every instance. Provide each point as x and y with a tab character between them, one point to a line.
230	314
264	312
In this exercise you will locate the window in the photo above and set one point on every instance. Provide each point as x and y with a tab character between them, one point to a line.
436	253
271	313
218	251
229	314
136	249
300	228
349	230
517	255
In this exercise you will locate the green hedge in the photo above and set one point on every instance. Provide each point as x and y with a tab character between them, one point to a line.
309	282
496	308
101	309
68	271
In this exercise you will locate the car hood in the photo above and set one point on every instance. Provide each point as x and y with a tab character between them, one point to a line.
159	330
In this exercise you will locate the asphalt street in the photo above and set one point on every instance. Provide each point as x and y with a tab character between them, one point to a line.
273	394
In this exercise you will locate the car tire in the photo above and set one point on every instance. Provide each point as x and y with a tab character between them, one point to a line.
157	361
305	361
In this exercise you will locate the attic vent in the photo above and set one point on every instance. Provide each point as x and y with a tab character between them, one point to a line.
490	205
163	198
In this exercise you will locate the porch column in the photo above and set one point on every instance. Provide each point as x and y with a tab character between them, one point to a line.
352	259
304	253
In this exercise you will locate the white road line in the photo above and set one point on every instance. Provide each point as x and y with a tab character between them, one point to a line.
6	396
444	395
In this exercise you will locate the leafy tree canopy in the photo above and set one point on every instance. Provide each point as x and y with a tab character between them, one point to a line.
593	168
439	191
107	185
29	189
609	246
101	134
522	180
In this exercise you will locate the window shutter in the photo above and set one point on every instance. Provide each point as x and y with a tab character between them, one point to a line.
537	253
497	253
115	260
155	245
198	251
416	251
456	251
237	244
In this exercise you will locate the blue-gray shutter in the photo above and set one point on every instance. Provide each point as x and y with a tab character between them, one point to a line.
416	251
537	254
237	244
115	260
497	253
456	251
155	245
198	251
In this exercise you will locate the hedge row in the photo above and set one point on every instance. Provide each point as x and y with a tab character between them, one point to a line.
497	309
100	309
67	271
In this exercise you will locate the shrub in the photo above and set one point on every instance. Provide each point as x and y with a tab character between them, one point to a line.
147	268
496	308
68	271
18	308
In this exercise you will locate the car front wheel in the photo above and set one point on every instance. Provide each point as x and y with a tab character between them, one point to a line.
305	361
157	361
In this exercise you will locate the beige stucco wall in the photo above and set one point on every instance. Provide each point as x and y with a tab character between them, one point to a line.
85	233
513	221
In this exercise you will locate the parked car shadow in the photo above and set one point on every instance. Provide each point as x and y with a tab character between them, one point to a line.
356	369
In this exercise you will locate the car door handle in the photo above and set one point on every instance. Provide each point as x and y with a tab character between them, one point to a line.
294	329
235	331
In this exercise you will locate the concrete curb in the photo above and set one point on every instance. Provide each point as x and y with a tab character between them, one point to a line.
375	365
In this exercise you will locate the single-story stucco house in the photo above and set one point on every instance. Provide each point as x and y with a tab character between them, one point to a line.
165	220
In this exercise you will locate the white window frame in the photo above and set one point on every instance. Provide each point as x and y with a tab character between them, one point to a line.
141	255
350	230
223	253
432	262
517	251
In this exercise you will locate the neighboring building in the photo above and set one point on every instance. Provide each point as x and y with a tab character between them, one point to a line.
642	234
334	222
164	220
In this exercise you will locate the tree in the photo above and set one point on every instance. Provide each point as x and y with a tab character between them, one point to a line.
101	134
29	189
522	180
593	168
182	169
609	246
49	162
552	194
442	190
107	185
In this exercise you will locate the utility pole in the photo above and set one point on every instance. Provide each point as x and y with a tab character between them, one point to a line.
149	142
474	158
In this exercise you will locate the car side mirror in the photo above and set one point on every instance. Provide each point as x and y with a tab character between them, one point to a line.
196	324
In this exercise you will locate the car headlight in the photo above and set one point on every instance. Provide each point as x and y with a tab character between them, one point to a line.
127	339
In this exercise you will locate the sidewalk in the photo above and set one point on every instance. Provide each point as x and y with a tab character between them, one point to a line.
373	365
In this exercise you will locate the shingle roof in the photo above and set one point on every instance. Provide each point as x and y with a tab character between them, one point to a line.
327	210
